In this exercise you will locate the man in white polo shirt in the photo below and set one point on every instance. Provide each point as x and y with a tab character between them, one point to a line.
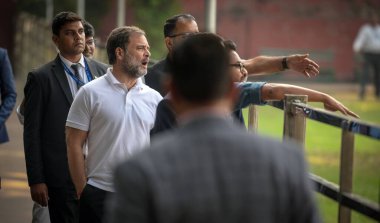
113	116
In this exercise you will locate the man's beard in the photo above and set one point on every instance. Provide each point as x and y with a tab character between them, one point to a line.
133	67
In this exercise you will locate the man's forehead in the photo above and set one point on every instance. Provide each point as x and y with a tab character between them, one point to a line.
138	39
72	25
186	25
234	56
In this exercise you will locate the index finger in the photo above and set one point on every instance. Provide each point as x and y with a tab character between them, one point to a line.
353	114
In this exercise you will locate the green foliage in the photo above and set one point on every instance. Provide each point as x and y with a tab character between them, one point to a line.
38	7
150	15
34	7
95	9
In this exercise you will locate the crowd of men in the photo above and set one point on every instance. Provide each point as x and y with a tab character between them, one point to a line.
103	145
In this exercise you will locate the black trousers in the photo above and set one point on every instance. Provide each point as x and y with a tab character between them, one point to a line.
63	205
371	62
91	204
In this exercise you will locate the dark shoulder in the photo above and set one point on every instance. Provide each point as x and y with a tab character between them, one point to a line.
45	70
3	52
97	68
159	64
165	104
158	67
97	63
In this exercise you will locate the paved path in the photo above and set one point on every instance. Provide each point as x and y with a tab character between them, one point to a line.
15	201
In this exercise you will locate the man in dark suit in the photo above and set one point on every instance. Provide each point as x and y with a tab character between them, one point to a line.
49	92
209	169
7	93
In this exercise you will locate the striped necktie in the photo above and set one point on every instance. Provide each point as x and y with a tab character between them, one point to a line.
75	67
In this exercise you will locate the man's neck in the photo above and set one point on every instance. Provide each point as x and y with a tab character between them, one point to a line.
72	58
124	78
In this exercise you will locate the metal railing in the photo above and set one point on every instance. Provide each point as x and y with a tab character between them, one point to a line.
296	111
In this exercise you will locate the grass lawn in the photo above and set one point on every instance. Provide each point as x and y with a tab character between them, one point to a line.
323	150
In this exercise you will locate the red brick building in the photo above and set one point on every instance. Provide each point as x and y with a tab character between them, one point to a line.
324	28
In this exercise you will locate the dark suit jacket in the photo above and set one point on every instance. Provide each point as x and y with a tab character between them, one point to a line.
211	170
47	103
165	118
156	74
7	93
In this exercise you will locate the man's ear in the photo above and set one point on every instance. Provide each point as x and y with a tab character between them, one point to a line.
55	39
169	43
119	53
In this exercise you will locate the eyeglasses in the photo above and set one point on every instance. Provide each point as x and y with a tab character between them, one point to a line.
239	65
183	35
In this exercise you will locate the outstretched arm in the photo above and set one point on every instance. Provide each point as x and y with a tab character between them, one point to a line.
267	64
272	91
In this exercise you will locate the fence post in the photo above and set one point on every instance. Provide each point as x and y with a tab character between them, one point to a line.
294	120
252	118
346	169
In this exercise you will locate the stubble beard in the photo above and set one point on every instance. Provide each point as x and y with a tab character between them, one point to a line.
133	67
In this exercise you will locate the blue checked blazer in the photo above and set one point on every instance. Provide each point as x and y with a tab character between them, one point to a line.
7	92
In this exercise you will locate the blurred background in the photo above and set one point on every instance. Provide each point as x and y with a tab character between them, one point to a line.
325	29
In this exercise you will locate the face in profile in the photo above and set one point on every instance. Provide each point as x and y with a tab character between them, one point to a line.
237	69
136	56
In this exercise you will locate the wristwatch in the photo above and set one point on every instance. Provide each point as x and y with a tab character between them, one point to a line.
284	63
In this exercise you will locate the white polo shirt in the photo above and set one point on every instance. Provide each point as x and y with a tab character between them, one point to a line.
368	39
118	122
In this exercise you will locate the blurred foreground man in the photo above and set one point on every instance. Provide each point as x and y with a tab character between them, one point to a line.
209	169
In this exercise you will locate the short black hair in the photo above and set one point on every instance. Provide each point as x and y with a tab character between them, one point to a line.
199	68
230	45
119	37
63	18
88	29
171	23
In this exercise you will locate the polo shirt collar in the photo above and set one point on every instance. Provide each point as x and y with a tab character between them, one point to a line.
112	79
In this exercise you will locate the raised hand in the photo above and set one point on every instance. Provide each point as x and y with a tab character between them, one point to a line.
302	64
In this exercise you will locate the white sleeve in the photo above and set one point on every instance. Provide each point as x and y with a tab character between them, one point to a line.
80	111
360	40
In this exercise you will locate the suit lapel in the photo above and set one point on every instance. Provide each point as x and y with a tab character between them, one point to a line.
60	75
92	68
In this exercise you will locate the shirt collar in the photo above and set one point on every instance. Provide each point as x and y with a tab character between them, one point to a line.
109	76
69	63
